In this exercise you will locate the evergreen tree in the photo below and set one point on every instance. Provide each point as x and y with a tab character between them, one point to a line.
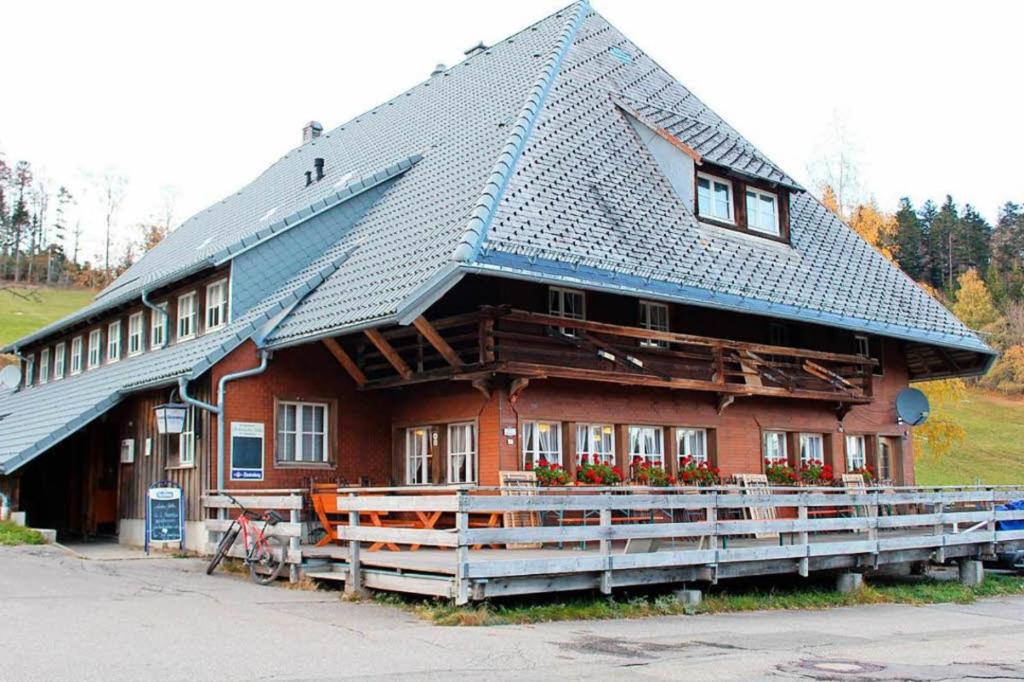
909	245
971	242
1007	248
942	235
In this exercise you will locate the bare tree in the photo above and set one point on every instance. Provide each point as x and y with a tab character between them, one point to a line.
837	166
112	189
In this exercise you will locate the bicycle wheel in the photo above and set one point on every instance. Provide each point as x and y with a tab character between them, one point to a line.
267	560
222	548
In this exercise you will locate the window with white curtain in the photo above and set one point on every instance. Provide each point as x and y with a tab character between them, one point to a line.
775	450
95	348
856	453
597	441
654	316
187	319
647	443
217	304
542	440
692	443
114	341
30	369
462	453
44	365
812	448
158	327
76	355
58	361
418	456
135	331
302	432
187	439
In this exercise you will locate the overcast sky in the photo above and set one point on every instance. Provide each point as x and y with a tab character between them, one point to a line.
202	96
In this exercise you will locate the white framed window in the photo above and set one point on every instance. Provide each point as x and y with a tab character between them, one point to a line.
187	318
812	448
597	441
647	443
136	323
30	369
217	304
462	453
692	443
44	366
76	355
654	316
418	455
568	303
762	212
714	198
302	432
114	341
775	449
542	440
187	439
58	361
856	453
863	345
158	327
95	349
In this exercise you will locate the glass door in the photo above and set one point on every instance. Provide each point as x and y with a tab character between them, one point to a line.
417	455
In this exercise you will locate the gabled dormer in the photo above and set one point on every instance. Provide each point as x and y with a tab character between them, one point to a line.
728	200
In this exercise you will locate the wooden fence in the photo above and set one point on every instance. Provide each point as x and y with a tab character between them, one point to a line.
862	529
288	501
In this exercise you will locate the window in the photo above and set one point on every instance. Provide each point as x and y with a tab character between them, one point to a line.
76	355
863	346
418	460
692	443
187	316
541	440
95	348
568	303
30	369
714	198
462	453
217	304
187	439
58	361
647	443
302	432
114	341
597	441
812	448
775	451
856	453
654	316
135	342
44	365
762	212
869	347
158	327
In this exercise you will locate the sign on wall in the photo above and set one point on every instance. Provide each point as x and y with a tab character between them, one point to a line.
128	451
246	451
165	514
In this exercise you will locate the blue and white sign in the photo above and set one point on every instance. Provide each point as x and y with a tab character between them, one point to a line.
165	514
247	451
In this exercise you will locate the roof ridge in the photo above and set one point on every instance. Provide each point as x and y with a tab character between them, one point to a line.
483	211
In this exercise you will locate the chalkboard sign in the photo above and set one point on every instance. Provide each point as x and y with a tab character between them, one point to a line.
165	514
246	451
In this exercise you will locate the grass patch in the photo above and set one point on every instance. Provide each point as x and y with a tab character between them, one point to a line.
22	311
993	452
11	534
798	595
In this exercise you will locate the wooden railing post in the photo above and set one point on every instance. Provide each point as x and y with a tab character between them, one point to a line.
294	545
606	544
354	584
461	551
803	537
939	529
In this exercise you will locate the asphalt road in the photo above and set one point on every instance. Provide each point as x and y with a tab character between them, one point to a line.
67	618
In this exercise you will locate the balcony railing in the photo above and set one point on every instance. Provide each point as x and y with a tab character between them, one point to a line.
525	344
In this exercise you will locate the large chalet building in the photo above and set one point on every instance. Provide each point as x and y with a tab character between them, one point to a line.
550	249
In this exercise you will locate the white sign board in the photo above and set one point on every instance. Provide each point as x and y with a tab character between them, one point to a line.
247	451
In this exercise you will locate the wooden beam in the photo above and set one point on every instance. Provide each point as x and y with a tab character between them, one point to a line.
346	361
389	353
435	339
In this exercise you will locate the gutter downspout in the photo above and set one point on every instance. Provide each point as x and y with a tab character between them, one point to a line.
218	409
157	309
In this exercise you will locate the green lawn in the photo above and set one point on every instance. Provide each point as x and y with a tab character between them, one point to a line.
24	310
994	450
11	534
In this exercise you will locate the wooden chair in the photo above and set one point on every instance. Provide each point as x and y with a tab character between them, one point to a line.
520	483
854	484
757	484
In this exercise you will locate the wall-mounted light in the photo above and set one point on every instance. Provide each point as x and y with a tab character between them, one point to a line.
170	418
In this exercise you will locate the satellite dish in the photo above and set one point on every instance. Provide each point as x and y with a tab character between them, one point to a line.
10	377
912	406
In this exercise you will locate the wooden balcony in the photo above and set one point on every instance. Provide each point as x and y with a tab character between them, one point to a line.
499	340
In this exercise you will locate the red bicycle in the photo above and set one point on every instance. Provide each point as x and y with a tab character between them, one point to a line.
264	554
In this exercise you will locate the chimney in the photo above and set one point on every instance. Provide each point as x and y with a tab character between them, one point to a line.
311	131
438	70
475	50
309	178
319	165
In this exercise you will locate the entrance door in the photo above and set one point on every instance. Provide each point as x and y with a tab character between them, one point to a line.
888	461
418	455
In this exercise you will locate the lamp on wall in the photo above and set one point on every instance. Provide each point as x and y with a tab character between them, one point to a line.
170	418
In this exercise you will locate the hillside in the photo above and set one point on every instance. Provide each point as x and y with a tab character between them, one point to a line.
19	316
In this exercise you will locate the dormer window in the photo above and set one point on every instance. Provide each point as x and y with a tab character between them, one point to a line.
762	212
714	198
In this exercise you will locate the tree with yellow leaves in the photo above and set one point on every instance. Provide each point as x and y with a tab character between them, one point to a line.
875	227
941	434
974	304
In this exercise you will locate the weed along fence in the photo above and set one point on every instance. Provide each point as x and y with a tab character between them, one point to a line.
471	544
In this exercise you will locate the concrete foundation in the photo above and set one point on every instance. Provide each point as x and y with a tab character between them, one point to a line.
132	532
18	518
972	572
689	598
848	583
